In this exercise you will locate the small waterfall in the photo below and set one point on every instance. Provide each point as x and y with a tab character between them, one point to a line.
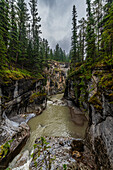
16	90
0	102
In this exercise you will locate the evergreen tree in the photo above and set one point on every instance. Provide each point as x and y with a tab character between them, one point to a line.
82	35
3	51
56	53
90	35
46	50
74	36
4	21
22	24
98	15
107	35
13	49
35	33
51	54
4	25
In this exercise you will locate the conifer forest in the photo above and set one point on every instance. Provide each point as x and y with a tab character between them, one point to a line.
56	85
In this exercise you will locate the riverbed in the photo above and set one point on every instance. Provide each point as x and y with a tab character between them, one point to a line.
55	121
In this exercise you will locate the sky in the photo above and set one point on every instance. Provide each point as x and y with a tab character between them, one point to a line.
56	20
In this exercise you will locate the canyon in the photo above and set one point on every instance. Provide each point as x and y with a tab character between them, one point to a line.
89	98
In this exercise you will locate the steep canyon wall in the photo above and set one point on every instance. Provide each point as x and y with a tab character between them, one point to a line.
93	91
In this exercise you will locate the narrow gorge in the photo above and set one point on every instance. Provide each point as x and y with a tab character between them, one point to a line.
56	85
59	108
23	99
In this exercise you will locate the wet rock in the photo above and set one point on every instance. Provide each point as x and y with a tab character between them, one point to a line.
61	143
62	156
19	134
56	77
20	160
98	103
59	150
24	126
77	145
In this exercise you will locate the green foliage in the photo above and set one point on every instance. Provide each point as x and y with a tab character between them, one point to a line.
8	75
95	100
43	149
58	54
74	58
107	35
90	35
36	95
64	166
4	149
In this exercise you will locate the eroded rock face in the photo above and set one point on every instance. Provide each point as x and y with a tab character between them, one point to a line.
22	96
19	133
18	100
98	103
56	76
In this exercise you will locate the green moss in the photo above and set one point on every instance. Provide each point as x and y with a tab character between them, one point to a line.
57	70
7	75
96	101
106	81
4	149
35	96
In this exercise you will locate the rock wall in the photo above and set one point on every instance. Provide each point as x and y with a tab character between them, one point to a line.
22	96
56	76
94	93
18	100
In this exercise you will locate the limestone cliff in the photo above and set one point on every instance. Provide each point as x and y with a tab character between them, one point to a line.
21	96
56	76
92	89
18	100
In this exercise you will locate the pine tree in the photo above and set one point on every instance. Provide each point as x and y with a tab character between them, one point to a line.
82	35
4	21
22	25
74	36
4	29
56	53
13	49
46	50
35	33
107	35
51	54
98	16
3	51
90	35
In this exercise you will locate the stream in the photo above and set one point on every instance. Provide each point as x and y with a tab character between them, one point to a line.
55	121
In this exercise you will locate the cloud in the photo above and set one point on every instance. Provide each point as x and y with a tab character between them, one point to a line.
49	3
57	20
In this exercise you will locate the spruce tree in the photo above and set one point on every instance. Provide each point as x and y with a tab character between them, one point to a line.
3	51
4	29
107	35
13	49
82	34
57	52
22	26
74	58
90	35
35	33
98	15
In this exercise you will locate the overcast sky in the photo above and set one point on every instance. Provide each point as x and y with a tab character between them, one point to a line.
56	20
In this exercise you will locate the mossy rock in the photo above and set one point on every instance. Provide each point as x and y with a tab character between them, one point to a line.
35	96
95	101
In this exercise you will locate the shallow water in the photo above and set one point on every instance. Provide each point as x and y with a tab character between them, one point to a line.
54	121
